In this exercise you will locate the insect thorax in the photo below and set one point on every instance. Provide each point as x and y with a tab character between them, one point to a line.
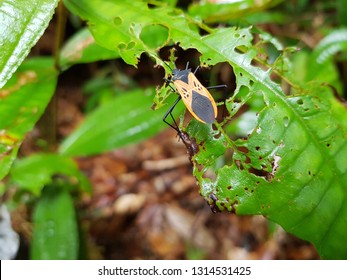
180	75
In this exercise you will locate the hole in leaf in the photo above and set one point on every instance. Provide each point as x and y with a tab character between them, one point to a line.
257	148
131	45
272	51
328	145
238	50
259	173
200	167
117	21
217	136
236	35
154	35
251	82
299	101
122	46
255	63
174	13
233	206
286	121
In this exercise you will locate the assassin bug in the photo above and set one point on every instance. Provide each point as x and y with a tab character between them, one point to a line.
195	96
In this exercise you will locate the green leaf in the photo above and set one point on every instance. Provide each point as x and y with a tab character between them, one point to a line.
34	172
292	168
341	8
22	102
21	25
305	69
124	26
81	48
127	119
55	231
333	43
215	12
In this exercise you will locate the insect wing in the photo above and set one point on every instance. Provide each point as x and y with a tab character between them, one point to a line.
186	93
203	104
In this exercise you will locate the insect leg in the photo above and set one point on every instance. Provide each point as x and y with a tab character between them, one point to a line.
171	87
169	112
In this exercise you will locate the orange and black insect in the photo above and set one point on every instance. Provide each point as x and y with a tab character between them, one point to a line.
195	96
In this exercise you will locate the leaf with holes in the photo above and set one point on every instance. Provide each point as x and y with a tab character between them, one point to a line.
129	27
292	168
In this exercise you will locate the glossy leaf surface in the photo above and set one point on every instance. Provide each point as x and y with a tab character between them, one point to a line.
21	25
22	102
